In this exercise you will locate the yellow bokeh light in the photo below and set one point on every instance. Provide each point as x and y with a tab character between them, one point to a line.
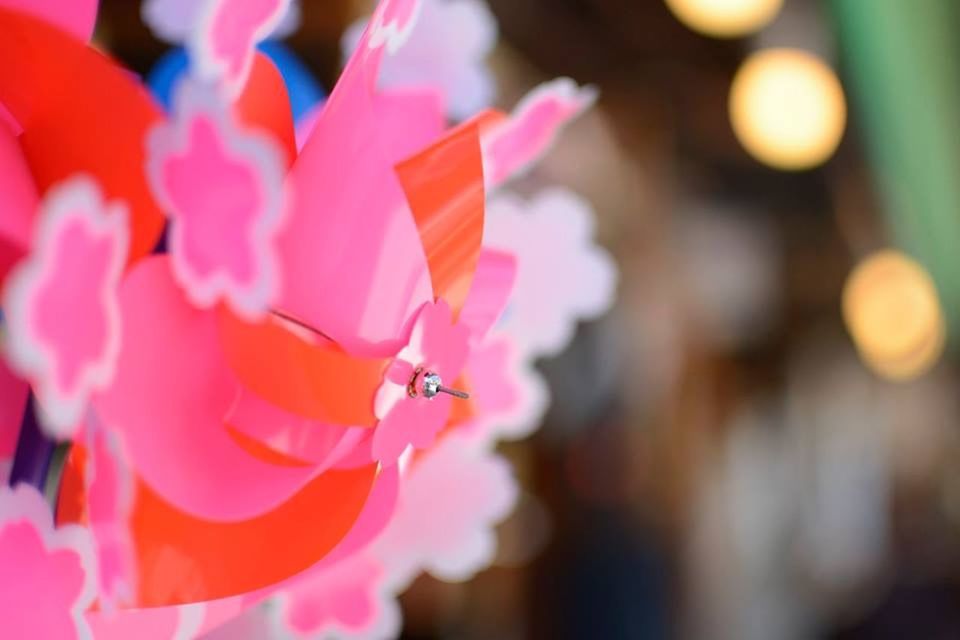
725	18
892	311
787	108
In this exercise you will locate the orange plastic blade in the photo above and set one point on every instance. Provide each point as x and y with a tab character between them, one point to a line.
264	104
181	559
444	187
79	112
316	381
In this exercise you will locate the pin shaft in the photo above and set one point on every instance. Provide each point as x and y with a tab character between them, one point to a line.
463	395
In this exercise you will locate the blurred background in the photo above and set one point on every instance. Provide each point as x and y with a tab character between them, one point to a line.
760	440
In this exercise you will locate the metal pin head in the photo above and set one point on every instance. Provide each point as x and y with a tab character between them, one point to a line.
430	384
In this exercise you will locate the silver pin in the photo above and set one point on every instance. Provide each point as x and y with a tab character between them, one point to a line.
431	384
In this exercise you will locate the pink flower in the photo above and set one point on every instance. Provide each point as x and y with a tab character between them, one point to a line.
410	410
563	276
517	144
509	393
62	311
465	486
48	574
223	43
222	187
347	600
446	51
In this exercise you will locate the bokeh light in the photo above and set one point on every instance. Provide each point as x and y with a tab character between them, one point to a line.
725	18
891	308
787	108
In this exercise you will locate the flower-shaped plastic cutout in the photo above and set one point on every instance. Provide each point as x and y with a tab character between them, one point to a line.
62	314
175	20
110	497
470	489
514	146
392	23
563	276
74	16
510	394
447	51
49	574
226	34
409	412
222	187
348	600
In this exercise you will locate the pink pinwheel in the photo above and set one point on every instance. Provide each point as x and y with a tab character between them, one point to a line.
563	276
223	41
61	302
49	574
447	51
223	190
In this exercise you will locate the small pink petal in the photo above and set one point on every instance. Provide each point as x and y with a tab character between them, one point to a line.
61	302
515	146
223	190
412	421
49	574
223	44
491	289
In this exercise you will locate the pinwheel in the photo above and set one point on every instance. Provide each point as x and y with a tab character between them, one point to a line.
272	392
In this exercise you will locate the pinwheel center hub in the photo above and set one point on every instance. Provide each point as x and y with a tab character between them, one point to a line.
429	385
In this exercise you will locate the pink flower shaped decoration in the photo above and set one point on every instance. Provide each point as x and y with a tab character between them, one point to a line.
223	43
563	276
468	488
222	188
63	315
510	394
347	600
410	410
517	144
446	51
48	574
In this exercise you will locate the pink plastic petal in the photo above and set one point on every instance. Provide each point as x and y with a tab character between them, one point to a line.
228	31
492	285
61	302
172	392
74	16
350	234
392	23
49	575
223	190
563	276
517	144
466	486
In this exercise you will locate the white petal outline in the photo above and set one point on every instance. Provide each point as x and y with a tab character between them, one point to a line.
165	140
391	35
24	503
77	199
205	62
